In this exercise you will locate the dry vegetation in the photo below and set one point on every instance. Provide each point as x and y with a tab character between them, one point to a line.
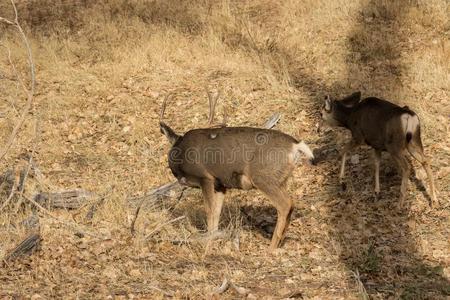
102	68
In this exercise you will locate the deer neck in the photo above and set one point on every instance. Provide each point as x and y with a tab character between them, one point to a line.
342	114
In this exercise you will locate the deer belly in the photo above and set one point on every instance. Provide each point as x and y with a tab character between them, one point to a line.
236	181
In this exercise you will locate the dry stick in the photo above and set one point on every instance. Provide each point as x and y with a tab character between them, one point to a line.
17	78
158	228
135	216
226	283
240	290
155	192
11	194
30	161
33	82
93	209
223	287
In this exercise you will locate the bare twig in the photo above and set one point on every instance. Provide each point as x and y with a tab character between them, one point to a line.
223	287
361	289
240	290
30	91
164	190
11	194
133	222
160	226
157	192
94	207
226	283
30	162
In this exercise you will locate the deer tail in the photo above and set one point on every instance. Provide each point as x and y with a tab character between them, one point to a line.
410	124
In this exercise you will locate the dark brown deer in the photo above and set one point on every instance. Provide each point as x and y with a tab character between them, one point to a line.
385	127
221	158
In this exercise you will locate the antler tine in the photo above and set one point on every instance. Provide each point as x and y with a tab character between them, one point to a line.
225	117
212	105
163	106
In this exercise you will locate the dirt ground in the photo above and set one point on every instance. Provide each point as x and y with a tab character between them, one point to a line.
102	71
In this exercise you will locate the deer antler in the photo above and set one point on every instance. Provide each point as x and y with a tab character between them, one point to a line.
163	106
212	99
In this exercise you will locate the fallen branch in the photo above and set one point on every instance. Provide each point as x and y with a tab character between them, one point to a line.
27	246
71	199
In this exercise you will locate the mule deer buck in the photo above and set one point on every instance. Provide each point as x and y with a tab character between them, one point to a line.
385	127
221	158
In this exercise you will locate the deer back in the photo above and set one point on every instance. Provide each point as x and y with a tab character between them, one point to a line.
229	152
378	122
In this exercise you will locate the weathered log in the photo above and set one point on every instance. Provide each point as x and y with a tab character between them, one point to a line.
26	247
71	199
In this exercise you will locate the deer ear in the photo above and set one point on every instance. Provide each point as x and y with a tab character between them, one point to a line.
352	99
327	103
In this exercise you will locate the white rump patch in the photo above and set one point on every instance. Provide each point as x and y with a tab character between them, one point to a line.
409	123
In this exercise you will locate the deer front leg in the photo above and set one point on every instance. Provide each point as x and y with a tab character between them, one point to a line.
377	158
213	204
348	147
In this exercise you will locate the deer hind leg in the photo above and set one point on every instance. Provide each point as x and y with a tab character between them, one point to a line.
416	150
213	204
284	206
376	159
348	147
405	172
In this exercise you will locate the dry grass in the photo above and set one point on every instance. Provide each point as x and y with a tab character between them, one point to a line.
102	69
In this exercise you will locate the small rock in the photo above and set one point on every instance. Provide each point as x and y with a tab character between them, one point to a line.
110	97
355	159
